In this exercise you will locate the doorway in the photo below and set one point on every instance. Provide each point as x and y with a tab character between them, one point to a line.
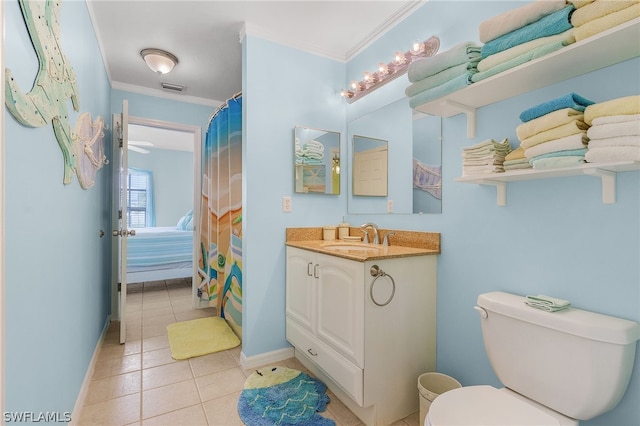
164	160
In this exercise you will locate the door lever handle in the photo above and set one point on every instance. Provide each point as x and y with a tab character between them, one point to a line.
123	233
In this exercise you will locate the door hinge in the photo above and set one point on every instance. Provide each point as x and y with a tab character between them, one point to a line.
119	214
119	134
119	286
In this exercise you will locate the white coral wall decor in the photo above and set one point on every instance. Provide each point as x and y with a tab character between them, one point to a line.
88	146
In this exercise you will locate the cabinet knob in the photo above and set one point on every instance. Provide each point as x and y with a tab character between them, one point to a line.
312	353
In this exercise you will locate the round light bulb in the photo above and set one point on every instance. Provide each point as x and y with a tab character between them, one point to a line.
398	58
416	48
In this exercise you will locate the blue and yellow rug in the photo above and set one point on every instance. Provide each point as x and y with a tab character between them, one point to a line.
278	396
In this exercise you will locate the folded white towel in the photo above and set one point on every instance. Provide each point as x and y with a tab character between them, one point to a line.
620	141
558	162
547	303
612	130
513	19
576	141
482	170
547	122
606	119
612	153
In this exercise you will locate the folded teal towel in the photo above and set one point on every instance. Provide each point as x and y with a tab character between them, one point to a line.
554	23
547	303
440	78
564	153
570	100
518	60
439	91
459	54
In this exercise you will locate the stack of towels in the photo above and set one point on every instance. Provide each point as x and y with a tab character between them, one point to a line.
594	16
485	158
614	134
310	153
547	303
554	134
523	34
516	160
444	73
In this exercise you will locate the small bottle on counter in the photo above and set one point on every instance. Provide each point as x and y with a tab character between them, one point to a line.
329	233
343	230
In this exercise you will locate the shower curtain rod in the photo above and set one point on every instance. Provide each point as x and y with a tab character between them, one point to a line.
221	107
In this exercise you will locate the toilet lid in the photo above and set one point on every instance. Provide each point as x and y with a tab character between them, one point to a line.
486	405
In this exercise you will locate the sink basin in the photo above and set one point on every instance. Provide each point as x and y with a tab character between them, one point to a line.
351	247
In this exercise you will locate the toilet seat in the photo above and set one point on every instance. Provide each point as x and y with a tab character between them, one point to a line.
486	405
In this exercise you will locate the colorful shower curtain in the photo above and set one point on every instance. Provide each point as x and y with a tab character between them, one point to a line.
220	258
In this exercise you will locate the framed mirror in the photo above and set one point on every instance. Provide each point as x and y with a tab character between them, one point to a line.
317	161
370	166
414	160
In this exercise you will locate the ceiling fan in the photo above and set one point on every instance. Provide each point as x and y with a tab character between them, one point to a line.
135	146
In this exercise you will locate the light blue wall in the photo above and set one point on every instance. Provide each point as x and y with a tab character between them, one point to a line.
282	88
172	182
554	236
57	279
151	107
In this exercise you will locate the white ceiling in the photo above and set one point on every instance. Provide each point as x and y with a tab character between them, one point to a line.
205	36
160	138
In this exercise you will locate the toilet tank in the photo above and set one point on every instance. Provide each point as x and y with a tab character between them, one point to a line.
576	362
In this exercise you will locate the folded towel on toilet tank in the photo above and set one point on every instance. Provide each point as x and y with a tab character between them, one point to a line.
547	303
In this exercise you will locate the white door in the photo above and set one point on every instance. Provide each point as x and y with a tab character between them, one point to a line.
119	219
370	172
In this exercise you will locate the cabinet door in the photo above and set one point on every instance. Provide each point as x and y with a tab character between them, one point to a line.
340	305
301	266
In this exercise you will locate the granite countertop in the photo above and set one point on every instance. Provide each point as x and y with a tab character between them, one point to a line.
402	244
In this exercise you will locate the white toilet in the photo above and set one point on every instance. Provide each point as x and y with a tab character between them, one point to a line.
557	368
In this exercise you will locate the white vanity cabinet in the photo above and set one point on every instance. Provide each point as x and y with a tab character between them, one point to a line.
370	356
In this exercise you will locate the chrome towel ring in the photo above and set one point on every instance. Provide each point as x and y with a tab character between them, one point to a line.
376	272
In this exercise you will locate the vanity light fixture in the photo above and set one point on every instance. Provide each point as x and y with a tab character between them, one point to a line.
387	72
158	60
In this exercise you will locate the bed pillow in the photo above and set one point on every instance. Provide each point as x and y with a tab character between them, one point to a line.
186	222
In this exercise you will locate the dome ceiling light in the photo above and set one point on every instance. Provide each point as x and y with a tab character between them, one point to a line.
159	60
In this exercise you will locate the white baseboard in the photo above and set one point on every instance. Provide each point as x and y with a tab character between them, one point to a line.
82	395
266	358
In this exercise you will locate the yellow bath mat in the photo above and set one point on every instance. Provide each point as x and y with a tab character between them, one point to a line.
202	336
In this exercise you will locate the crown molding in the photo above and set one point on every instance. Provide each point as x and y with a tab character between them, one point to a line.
403	11
162	94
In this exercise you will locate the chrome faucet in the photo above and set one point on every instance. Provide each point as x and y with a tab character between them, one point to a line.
376	236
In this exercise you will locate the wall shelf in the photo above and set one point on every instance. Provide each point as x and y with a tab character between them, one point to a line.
607	48
605	171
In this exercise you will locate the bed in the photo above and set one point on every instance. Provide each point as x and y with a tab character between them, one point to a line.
159	253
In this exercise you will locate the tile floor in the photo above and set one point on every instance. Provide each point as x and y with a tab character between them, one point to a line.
138	383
